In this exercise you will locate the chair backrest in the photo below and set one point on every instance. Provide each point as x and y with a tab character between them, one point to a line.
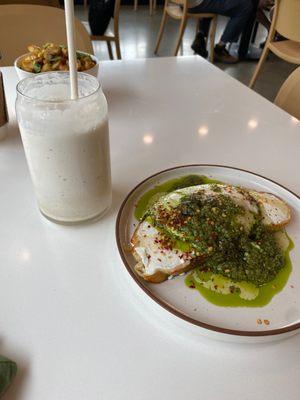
179	2
288	97
22	25
177	8
51	3
287	19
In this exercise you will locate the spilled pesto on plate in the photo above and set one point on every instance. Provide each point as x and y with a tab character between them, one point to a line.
231	239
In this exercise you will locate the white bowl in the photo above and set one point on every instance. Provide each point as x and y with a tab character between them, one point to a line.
24	74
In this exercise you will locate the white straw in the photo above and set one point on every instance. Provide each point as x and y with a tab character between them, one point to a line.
69	11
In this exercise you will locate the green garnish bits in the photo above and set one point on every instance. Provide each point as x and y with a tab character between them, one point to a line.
227	239
37	67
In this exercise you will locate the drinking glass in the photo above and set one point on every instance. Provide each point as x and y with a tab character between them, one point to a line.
66	144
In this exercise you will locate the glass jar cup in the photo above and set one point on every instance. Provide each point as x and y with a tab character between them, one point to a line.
66	144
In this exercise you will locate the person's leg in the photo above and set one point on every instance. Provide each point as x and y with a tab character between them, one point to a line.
200	41
263	19
204	26
239	12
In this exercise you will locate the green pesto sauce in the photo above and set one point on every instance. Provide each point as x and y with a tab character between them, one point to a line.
224	246
266	292
154	194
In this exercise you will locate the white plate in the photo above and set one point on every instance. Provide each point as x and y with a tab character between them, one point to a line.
238	323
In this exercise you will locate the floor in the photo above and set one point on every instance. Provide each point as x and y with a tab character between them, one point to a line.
138	31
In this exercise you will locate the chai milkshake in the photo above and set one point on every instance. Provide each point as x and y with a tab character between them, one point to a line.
66	144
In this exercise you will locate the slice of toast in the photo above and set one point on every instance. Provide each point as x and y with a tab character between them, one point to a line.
276	213
155	264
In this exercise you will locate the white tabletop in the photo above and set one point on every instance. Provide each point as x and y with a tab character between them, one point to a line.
67	314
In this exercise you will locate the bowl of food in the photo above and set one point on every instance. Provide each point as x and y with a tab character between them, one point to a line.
53	57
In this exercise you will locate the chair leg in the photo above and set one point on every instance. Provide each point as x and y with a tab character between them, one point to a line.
212	35
181	32
109	48
135	5
161	31
151	7
259	65
154	5
118	49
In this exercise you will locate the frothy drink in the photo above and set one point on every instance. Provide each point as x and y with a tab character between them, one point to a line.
66	144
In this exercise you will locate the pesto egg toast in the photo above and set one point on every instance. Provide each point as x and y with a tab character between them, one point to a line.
229	231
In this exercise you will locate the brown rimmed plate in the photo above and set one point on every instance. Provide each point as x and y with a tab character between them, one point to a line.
237	323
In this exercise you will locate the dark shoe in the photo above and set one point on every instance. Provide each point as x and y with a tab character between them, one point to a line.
199	45
279	38
222	55
262	45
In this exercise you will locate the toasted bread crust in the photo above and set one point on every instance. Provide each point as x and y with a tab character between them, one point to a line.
266	198
134	239
160	276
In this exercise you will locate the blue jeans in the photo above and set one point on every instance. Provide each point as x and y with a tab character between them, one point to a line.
239	12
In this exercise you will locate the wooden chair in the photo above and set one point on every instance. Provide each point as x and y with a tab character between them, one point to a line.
152	6
21	25
286	21
178	9
109	36
288	97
